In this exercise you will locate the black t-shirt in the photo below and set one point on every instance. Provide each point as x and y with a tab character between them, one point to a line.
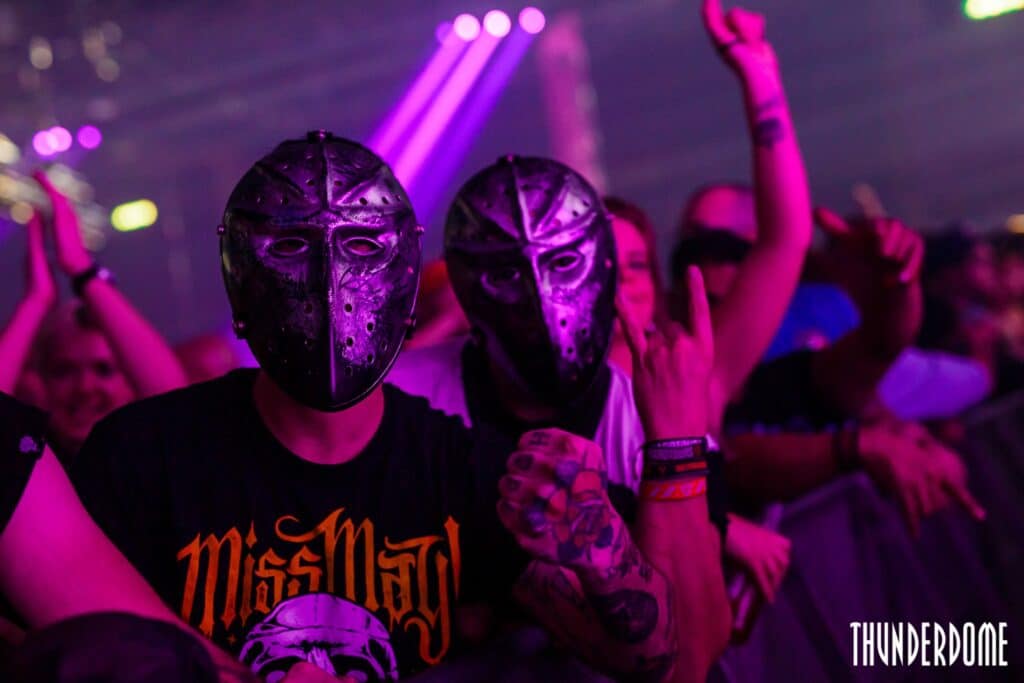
21	444
781	395
280	559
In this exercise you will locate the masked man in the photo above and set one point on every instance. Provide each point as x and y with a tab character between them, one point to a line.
532	259
303	512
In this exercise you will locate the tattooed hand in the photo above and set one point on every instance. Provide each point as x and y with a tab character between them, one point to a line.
554	500
738	35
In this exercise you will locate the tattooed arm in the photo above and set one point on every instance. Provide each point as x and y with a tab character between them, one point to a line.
589	584
746	319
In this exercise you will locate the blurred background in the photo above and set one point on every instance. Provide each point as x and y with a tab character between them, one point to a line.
170	102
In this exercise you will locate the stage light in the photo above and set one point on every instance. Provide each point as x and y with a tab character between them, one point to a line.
21	212
443	32
89	137
9	152
108	69
1015	223
497	23
61	139
466	27
44	143
135	215
443	107
986	9
531	20
40	54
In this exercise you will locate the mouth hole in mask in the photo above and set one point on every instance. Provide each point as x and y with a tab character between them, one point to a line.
364	201
369	358
585	332
571	351
563	322
369	327
349	341
348	308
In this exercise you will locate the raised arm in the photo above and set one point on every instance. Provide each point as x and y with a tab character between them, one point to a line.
40	295
746	320
589	584
671	369
884	259
146	358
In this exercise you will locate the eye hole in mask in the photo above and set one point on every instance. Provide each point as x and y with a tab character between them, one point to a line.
500	279
362	246
565	261
288	246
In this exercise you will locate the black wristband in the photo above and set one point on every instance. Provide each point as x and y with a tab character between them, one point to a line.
79	281
675	459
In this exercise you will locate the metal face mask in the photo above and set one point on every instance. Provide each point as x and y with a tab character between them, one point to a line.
531	255
320	252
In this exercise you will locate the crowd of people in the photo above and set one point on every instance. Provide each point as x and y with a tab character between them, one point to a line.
538	451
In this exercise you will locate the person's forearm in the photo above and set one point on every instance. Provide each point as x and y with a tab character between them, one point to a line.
633	603
746	320
780	466
145	356
619	619
16	340
681	542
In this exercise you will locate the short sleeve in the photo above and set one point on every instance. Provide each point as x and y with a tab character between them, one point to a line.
22	441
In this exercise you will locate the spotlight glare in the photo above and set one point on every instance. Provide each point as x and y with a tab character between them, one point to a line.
89	137
44	143
443	32
497	23
531	20
9	152
61	138
466	27
986	9
21	212
130	216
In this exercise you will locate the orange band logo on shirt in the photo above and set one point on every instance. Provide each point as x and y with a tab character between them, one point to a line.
408	580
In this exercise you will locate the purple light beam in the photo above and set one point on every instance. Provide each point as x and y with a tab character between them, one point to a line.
468	123
410	161
389	133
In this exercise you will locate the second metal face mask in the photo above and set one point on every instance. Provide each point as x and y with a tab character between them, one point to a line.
320	253
531	255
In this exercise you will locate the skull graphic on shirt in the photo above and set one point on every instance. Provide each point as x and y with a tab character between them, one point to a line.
335	634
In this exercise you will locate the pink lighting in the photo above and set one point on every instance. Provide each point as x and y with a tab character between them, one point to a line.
436	119
391	132
531	20
444	32
467	27
44	143
497	23
61	139
89	137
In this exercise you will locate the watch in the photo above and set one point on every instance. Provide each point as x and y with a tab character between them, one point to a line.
95	271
